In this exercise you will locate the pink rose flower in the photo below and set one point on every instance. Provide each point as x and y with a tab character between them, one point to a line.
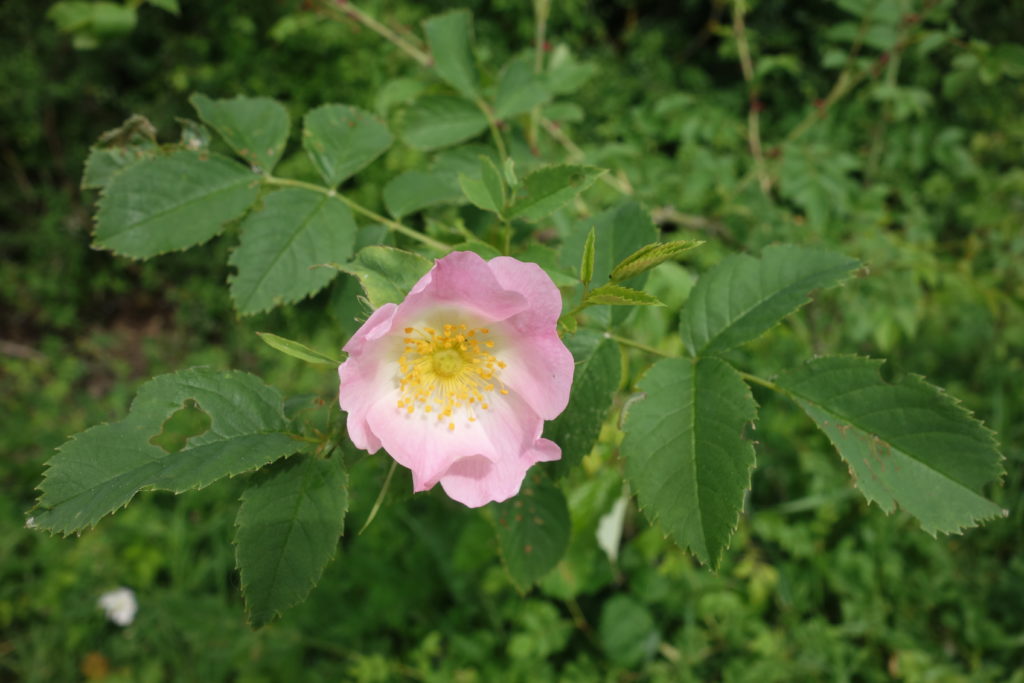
456	381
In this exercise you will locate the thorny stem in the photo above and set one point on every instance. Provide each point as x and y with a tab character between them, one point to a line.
618	183
754	110
359	208
347	9
541	10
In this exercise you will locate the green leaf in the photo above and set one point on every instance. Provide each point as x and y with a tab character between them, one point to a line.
255	127
743	297
386	274
287	532
486	191
907	443
519	89
629	635
117	149
413	191
170	6
296	350
101	469
617	295
171	203
547	189
449	36
648	257
685	453
597	374
294	230
587	260
439	121
342	140
532	530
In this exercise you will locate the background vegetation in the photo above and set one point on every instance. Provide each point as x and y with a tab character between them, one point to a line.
891	131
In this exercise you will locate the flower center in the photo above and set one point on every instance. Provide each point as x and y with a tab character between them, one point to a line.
446	370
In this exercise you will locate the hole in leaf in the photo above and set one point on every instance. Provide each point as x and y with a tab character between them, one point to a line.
185	423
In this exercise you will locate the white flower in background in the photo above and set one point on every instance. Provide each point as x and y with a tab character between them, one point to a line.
120	605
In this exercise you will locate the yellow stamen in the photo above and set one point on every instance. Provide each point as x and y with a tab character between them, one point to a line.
452	369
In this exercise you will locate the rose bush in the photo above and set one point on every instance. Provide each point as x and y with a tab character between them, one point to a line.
456	381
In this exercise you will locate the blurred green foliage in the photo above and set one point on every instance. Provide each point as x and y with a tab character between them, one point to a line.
916	170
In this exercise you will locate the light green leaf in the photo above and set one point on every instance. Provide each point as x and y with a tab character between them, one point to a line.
519	88
171	203
255	127
485	191
288	528
102	468
342	140
450	36
294	230
532	530
597	374
647	257
386	274
587	260
617	295
547	189
509	169
296	350
439	121
743	297
412	191
907	443
117	149
686	456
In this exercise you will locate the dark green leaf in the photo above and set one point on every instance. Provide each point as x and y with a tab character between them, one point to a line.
102	468
907	443
117	149
171	203
255	127
294	230
743	297
532	530
597	375
287	532
685	452
342	140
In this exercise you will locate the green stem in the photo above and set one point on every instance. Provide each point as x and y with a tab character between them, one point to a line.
380	498
541	10
636	345
754	379
492	123
359	208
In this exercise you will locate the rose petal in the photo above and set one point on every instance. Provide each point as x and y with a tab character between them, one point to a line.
476	481
428	447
